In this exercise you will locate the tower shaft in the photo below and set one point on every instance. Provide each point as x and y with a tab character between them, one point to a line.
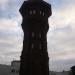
34	57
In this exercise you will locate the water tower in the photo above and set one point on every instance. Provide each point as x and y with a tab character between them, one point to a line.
34	57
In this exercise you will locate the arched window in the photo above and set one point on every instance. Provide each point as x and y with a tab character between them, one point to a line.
40	35
43	14
40	12
13	70
34	12
33	34
30	12
32	45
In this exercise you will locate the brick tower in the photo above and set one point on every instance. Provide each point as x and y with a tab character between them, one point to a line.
34	57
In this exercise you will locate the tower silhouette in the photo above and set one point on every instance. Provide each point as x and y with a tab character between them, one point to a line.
34	57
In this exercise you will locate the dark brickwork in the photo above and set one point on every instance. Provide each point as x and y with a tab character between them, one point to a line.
34	57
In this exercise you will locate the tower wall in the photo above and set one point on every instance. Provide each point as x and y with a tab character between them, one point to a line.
34	57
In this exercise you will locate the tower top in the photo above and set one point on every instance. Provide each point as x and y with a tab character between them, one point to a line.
34	0
38	6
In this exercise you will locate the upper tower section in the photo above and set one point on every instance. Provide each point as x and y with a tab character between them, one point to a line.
33	9
34	0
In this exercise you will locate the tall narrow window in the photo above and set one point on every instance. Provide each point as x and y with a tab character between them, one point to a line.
33	34
40	12
32	45
30	12
40	35
34	12
43	14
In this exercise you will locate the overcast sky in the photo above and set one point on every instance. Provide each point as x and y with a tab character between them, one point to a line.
61	35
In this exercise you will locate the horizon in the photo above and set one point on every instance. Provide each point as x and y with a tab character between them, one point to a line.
49	70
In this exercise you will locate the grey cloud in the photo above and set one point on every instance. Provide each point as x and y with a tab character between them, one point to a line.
61	44
61	64
61	41
6	45
64	29
60	4
10	34
11	9
12	54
